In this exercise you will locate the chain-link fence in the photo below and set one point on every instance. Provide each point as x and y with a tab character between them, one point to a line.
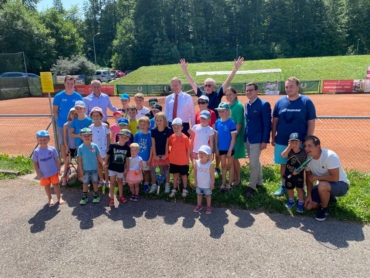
349	137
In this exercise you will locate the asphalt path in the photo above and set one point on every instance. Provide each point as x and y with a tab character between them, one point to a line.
153	238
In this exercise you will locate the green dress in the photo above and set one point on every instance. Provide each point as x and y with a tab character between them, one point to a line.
237	114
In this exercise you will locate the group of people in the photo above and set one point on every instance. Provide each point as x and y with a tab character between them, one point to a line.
226	132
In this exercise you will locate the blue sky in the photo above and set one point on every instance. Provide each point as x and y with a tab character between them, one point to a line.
45	4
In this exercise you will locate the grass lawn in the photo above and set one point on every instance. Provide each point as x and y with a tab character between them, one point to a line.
354	206
20	164
316	68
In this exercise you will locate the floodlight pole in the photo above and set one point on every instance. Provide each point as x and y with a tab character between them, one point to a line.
358	43
94	46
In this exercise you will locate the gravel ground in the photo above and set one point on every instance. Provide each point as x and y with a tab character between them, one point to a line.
162	239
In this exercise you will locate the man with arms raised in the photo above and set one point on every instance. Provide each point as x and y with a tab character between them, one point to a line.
257	134
213	95
62	103
179	105
292	113
326	169
98	99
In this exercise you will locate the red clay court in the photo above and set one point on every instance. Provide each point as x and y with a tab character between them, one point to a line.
349	138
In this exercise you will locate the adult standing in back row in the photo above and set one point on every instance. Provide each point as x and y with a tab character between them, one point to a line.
213	95
292	113
62	103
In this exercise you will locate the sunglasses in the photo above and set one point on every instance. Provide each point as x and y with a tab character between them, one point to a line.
202	102
208	85
152	103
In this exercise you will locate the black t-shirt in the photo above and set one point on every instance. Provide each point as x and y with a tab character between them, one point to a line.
214	98
294	161
117	157
160	138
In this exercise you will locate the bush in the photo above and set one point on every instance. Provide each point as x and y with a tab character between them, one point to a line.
73	65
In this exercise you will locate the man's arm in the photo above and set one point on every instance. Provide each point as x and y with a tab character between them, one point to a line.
184	67
266	121
55	111
111	107
273	131
309	185
191	111
333	176
237	64
311	127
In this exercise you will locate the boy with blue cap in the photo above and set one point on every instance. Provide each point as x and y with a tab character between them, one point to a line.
47	165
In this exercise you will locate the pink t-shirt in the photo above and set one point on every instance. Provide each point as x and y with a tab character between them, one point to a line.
115	129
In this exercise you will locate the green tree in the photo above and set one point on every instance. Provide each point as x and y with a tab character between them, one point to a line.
22	31
73	65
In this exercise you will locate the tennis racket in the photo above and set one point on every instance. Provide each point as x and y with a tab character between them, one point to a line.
304	164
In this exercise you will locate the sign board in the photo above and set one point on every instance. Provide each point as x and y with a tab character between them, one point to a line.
47	82
346	86
80	79
368	73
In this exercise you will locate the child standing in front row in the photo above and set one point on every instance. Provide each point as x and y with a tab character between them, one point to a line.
80	122
69	142
47	165
296	156
88	157
144	139
117	160
204	178
101	138
202	134
179	158
160	135
225	143
134	171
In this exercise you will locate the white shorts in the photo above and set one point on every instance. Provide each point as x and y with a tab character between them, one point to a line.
145	165
114	173
103	154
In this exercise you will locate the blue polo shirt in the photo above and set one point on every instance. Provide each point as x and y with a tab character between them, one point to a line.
65	103
224	130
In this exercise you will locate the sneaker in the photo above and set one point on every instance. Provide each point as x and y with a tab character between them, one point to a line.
250	192
300	207
197	209
184	192
153	188
229	187
136	198
209	210
321	214
333	199
223	188
217	173
146	188
290	204
122	199
83	200
132	197
173	193
111	202
167	188
101	183
281	191
96	199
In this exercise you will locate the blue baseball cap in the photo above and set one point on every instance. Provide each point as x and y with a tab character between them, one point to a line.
42	133
294	137
205	114
123	121
125	132
125	96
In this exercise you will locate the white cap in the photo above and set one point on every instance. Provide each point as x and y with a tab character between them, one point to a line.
206	149
80	103
204	98
177	121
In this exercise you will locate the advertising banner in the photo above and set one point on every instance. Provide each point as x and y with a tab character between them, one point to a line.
337	86
368	73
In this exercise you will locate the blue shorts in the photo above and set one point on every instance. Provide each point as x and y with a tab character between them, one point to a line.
338	189
91	175
278	159
205	191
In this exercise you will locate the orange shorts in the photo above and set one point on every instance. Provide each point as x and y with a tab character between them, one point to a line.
49	180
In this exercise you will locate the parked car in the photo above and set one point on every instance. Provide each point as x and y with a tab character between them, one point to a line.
102	75
19	74
117	73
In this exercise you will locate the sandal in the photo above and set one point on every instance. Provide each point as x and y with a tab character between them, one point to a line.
228	187
136	198
223	188
111	202
132	197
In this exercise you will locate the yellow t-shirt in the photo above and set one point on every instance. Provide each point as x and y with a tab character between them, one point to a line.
133	126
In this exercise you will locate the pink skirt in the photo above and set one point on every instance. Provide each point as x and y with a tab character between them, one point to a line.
134	176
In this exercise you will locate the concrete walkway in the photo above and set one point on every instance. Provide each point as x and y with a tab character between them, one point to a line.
162	239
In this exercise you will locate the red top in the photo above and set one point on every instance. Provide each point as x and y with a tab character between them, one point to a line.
211	122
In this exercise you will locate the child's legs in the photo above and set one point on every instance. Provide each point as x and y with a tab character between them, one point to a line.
136	189
300	194
112	180
236	164
146	177
208	198
95	180
184	179
85	187
100	172
132	188
230	162
290	193
57	190
199	199
167	168
224	168
175	178
48	191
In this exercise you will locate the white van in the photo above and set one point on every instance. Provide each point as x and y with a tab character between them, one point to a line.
102	75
